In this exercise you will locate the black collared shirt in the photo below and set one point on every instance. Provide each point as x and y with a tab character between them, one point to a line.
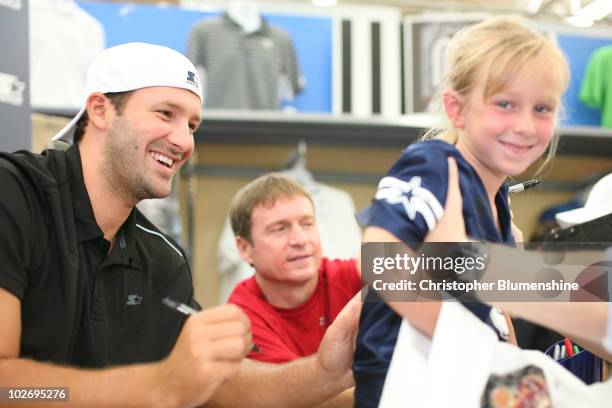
82	305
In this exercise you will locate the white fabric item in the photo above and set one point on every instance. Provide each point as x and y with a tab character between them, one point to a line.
135	65
64	39
463	354
340	235
566	390
415	350
449	366
597	205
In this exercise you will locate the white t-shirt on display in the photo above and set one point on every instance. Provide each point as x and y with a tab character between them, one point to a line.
64	39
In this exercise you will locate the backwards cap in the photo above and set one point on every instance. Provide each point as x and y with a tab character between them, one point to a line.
597	205
132	66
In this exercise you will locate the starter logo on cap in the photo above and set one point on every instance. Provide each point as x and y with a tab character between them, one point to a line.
192	79
11	89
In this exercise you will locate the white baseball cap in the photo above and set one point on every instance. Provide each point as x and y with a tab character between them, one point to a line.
598	204
132	66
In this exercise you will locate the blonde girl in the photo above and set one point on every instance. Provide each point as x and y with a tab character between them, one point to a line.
502	100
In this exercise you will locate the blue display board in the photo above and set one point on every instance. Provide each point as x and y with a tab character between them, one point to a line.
578	49
170	26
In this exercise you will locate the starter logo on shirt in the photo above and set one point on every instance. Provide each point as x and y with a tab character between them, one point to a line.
414	198
134	300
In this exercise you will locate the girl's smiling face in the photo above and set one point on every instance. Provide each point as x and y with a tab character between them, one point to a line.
504	133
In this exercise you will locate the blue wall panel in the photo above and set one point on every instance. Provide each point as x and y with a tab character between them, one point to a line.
578	50
170	26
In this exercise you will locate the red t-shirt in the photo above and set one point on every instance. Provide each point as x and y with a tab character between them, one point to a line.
286	334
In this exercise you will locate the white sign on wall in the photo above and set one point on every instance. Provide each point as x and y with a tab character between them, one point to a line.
15	132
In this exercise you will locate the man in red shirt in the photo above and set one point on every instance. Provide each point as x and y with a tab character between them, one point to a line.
295	293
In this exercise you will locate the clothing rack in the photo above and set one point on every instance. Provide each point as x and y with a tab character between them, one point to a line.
297	156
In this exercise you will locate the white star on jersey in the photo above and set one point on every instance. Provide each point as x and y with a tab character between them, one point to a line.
422	201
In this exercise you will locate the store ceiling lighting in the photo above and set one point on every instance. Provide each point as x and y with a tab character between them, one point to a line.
579	21
575	6
596	10
324	3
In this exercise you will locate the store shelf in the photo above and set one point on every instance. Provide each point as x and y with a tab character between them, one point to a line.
263	127
585	141
360	132
237	127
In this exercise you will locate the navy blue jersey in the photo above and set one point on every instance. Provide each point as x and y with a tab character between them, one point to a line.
408	203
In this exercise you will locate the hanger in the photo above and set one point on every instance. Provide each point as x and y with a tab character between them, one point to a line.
295	167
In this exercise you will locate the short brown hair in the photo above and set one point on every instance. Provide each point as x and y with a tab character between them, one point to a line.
118	99
264	190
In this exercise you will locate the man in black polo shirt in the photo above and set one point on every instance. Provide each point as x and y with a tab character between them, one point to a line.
83	272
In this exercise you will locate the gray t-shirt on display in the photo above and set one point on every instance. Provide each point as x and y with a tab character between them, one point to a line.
244	71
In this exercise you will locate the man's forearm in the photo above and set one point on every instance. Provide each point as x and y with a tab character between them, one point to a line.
346	399
578	319
300	383
130	386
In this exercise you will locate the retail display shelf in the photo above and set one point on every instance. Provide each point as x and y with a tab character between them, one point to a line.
355	131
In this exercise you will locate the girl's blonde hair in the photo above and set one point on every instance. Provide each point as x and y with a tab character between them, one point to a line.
496	50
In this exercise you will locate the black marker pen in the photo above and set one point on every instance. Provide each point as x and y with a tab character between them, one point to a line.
188	311
517	188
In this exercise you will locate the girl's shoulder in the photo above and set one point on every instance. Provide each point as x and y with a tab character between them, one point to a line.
431	148
426	159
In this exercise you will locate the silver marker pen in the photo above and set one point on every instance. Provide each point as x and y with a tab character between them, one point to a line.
517	188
